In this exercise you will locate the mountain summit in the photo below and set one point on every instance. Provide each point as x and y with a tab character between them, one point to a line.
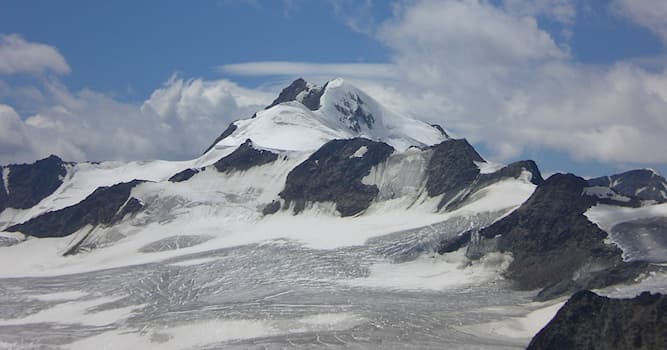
305	116
321	191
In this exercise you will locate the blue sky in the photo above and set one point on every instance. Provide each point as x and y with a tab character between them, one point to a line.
577	85
137	45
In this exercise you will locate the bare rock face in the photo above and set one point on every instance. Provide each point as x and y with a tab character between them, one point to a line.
333	174
589	321
105	206
244	158
549	236
230	130
28	184
184	175
636	186
453	171
290	93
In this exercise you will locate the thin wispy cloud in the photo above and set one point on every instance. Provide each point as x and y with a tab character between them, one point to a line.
651	14
285	68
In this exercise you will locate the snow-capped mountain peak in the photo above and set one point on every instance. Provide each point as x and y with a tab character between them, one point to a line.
304	116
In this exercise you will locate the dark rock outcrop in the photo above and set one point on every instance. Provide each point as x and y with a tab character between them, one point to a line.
636	185
105	206
551	239
28	184
455	243
354	113
271	208
290	92
439	128
515	170
230	130
451	169
244	158
310	95
333	174
3	193
589	321
615	274
184	175
312	99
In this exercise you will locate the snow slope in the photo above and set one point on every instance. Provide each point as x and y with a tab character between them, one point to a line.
344	112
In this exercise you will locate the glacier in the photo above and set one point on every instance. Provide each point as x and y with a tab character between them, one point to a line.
220	257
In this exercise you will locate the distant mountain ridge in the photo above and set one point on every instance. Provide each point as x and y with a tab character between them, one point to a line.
335	151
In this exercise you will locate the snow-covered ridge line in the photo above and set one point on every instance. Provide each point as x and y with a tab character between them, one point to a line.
305	117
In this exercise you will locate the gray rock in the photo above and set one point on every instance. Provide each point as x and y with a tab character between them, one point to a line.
454	243
514	170
105	206
589	321
184	175
290	93
439	128
354	113
312	98
333	174
451	169
28	184
271	208
244	158
638	185
228	132
550	238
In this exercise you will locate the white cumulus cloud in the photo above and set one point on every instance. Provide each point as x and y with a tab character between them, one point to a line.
20	56
178	121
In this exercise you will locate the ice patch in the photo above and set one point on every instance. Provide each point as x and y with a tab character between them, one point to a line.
442	272
607	216
60	296
212	332
76	312
193	262
401	175
5	178
360	152
638	240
